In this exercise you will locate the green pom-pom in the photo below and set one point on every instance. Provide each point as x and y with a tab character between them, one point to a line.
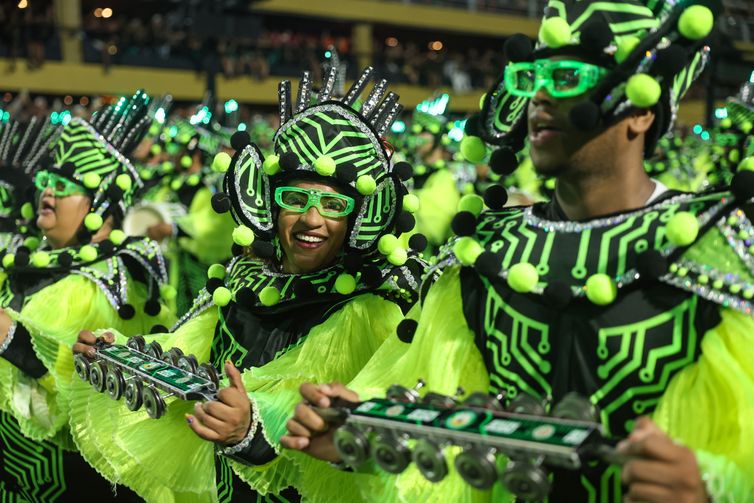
726	123
156	149
9	260
387	243
747	164
682	229
734	156
467	250
411	203
40	259
124	182
32	242
601	289
366	185
269	296
186	161
345	284
434	128
324	165
696	22
481	100
420	169
193	180
625	47
555	32
243	236
92	180
166	167
271	165
176	184
523	277
746	127
445	140
473	149
416	128
93	221
398	256
643	91
221	296
216	271
221	162
88	253
27	211
117	237
145	174
168	292
472	203
154	130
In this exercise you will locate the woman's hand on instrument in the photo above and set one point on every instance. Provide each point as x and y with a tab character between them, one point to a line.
86	340
226	420
308	432
659	470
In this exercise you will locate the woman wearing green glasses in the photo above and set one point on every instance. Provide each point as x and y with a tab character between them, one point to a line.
81	271
325	282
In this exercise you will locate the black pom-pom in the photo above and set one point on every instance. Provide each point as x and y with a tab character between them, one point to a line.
239	140
418	242
518	48
406	330
159	329
126	311
106	247
670	61
220	202
263	249
68	169
22	257
405	222
596	35
346	174
488	264
236	250
473	126
372	276
651	265
404	170
83	236
464	223
585	116
353	263
114	193
65	259
152	307
495	197
304	289
742	185
213	284
289	161
503	161
558	294
245	296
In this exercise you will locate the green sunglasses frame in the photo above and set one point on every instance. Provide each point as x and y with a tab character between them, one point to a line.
314	197
589	76
47	180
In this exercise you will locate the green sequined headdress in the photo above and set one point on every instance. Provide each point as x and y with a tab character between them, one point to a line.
93	155
327	139
652	50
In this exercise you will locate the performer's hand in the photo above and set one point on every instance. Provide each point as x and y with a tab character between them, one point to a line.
307	431
86	340
160	231
226	420
659	469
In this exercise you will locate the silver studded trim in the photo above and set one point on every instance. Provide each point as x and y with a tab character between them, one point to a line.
8	337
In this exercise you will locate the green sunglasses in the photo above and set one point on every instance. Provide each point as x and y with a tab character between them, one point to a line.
61	187
561	79
329	204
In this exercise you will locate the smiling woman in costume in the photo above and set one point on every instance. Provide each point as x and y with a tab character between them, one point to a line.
325	284
82	272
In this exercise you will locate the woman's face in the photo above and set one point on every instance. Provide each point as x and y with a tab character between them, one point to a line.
59	218
310	241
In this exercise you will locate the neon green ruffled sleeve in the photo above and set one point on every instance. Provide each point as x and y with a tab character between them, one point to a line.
335	350
438	202
53	317
709	406
444	354
160	459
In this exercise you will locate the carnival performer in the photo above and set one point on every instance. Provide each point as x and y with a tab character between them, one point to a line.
82	271
636	297
324	284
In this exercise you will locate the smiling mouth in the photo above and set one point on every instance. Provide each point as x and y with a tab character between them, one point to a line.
309	241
